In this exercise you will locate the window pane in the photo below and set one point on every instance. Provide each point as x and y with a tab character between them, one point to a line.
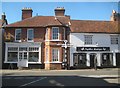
33	57
13	56
55	55
88	39
23	49
114	39
30	35
12	48
18	34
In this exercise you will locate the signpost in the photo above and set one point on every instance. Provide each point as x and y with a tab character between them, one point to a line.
65	45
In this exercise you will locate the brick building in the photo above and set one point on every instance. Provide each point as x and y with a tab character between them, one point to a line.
41	39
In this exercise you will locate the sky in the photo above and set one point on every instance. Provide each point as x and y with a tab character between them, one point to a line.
77	10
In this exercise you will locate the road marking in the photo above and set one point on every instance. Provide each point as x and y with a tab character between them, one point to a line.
33	82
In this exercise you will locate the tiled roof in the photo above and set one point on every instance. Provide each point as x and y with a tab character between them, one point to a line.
84	26
40	21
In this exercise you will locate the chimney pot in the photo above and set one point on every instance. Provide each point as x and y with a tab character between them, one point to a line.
59	11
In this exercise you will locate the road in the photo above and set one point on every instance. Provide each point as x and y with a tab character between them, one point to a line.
60	78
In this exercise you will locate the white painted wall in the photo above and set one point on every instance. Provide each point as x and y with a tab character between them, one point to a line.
103	40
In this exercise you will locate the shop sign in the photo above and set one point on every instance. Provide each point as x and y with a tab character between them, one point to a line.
93	49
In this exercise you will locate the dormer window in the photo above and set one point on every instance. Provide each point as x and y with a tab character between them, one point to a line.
55	33
18	35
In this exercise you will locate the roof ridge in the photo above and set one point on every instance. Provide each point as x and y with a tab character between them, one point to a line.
91	20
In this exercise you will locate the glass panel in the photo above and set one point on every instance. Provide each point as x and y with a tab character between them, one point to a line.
23	49
55	55
33	48
55	33
20	55
33	57
25	55
13	56
12	48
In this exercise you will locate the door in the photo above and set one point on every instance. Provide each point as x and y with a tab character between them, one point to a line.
82	60
92	57
23	59
22	55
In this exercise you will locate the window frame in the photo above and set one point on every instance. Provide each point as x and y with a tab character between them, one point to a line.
16	35
52	33
114	39
88	37
28	35
54	54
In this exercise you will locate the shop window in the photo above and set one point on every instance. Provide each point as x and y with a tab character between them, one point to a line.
107	59
12	56
33	56
23	49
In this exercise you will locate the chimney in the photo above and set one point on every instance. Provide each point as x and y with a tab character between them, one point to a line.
114	16
26	13
59	11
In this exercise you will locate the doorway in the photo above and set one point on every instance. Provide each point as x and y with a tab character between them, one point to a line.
92	60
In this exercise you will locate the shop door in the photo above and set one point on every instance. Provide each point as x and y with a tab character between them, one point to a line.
22	55
23	61
82	60
92	57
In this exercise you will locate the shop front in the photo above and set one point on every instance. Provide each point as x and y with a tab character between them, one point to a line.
91	56
16	52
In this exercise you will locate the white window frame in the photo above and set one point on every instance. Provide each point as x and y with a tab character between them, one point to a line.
90	38
52	33
20	35
22	45
58	55
113	39
28	35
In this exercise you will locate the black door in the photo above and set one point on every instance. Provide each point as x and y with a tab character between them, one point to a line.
92	57
118	59
82	60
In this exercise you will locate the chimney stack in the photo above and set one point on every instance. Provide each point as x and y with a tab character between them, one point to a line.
26	13
59	11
